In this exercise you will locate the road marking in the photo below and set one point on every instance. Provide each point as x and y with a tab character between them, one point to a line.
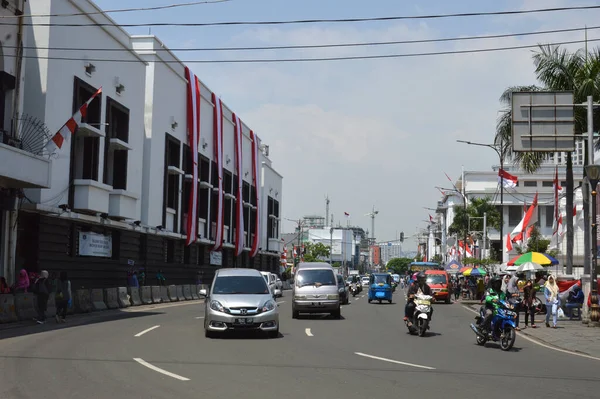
145	331
394	361
356	299
307	331
280	302
535	341
165	372
199	317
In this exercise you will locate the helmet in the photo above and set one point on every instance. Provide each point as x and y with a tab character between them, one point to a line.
421	277
496	284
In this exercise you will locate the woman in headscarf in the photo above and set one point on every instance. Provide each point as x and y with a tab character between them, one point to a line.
22	284
551	292
4	288
42	289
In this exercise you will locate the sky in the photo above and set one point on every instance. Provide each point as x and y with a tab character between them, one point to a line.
367	133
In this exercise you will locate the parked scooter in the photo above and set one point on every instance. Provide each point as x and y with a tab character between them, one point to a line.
422	316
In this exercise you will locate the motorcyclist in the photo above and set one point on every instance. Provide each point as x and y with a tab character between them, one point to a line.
493	295
418	287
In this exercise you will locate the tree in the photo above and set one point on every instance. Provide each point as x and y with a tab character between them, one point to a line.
399	265
316	252
535	243
476	208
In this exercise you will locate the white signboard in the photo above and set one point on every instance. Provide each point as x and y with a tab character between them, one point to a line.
94	244
216	258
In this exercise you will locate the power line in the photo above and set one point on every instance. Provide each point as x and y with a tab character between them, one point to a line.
341	58
120	10
314	46
318	21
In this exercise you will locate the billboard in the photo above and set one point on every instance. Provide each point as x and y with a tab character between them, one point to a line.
542	121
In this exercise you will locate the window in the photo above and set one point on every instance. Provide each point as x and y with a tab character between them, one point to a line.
547	183
240	285
549	216
172	176
169	251
311	277
117	138
515	214
530	183
188	167
86	148
203	193
273	215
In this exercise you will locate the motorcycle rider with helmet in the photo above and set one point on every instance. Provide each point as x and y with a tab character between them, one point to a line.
493	295
418	287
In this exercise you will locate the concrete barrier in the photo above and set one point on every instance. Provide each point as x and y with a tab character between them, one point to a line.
24	306
155	291
180	296
164	294
111	298
123	297
146	295
134	296
82	301
172	291
8	312
195	290
187	292
97	298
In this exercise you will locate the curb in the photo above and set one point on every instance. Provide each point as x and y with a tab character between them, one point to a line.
534	338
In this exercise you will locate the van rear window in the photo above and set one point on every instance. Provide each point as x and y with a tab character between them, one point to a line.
312	277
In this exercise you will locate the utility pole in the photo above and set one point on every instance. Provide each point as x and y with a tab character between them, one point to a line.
327	210
372	216
484	234
331	246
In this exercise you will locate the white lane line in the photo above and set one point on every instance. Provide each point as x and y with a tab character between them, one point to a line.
199	317
394	361
542	344
280	302
165	372
145	331
307	331
356	299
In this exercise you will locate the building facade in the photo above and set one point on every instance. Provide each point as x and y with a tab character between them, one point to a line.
120	186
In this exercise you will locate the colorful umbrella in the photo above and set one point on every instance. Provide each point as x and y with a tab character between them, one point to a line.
475	272
535	257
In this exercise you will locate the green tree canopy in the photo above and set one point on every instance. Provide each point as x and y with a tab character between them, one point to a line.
475	209
316	252
399	265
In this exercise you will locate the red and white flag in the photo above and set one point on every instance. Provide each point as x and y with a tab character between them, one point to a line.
239	201
527	219
193	128
69	128
509	246
430	219
218	137
256	183
346	214
506	179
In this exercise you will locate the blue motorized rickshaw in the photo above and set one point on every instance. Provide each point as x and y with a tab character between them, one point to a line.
380	287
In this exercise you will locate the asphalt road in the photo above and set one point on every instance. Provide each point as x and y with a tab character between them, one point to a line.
315	357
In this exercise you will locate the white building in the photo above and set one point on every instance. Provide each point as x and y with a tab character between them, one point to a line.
342	242
390	250
123	179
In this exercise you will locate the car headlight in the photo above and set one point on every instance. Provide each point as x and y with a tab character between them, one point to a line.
216	305
333	296
269	305
299	296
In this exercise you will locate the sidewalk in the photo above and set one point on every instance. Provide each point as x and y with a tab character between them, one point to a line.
571	335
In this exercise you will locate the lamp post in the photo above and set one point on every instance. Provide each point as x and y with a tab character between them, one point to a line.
331	246
593	174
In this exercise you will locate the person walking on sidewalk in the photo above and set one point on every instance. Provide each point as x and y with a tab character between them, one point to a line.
529	303
42	289
63	297
552	303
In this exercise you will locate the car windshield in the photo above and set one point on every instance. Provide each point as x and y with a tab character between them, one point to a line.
266	278
381	279
313	277
436	279
243	285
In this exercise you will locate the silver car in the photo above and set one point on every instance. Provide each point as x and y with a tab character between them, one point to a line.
315	290
240	299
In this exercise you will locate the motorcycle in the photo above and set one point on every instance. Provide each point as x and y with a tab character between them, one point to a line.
422	315
502	326
353	289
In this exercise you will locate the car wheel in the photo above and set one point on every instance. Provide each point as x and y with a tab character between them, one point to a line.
337	314
273	334
295	314
209	334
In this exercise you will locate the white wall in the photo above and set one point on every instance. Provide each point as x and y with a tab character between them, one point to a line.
8	60
48	91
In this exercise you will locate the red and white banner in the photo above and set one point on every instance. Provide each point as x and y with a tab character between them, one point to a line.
239	199
524	223
68	129
193	128
256	182
218	137
506	179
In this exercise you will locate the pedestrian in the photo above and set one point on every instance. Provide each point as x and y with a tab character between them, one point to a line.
160	277
4	288
134	280
23	283
551	292
457	290
529	303
63	297
42	289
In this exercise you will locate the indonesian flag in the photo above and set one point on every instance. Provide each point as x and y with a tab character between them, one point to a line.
239	202
524	223
506	179
256	183
218	136
558	234
529	231
193	127
346	214
462	246
430	219
509	246
69	128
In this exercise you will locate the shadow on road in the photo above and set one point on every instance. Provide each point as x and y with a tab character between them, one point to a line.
29	328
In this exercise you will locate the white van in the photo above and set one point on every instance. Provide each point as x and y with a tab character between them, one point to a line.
315	290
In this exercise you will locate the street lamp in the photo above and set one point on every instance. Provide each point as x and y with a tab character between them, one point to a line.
593	174
331	246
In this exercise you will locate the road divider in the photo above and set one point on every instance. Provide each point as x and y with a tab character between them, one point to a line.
383	359
145	331
159	370
308	332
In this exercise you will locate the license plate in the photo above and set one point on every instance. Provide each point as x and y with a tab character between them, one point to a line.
244	321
